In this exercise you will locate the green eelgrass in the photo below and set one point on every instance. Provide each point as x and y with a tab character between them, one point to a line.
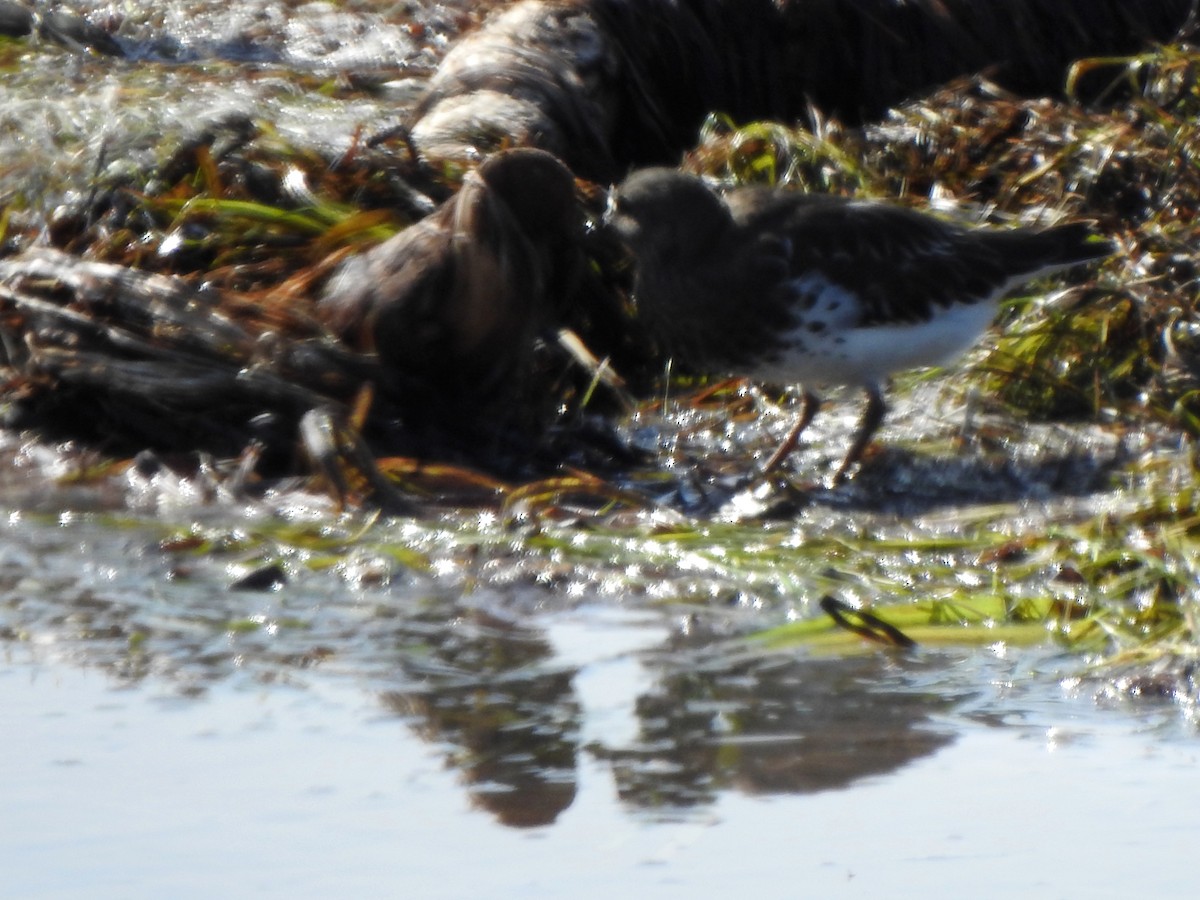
978	619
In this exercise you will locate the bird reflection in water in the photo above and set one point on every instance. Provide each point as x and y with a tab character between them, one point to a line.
773	725
490	690
715	720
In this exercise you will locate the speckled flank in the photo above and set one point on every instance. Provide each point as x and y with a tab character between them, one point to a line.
828	346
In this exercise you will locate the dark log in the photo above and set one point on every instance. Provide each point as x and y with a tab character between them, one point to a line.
130	359
857	58
610	84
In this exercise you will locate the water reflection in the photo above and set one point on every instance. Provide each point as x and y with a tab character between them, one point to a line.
711	721
511	727
519	689
773	726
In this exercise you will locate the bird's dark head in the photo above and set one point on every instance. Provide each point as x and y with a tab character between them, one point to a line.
664	212
537	188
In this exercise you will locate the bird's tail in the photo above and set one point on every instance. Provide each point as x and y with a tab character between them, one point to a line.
1076	243
1060	247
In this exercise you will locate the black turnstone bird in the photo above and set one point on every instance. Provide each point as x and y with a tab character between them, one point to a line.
452	305
791	288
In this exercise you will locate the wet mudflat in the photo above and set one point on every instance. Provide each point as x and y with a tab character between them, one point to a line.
207	694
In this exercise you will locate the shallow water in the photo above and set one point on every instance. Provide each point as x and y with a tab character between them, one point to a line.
118	790
435	737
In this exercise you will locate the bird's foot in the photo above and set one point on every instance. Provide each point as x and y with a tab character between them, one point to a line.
760	499
851	468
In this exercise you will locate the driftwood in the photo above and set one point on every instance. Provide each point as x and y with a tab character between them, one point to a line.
132	359
608	84
127	360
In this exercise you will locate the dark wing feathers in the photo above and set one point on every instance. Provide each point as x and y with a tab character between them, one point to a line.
449	301
1063	245
453	302
902	264
412	264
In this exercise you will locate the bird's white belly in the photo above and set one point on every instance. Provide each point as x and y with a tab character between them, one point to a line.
863	356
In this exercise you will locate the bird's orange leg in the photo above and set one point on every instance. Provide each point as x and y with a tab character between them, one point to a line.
871	420
811	404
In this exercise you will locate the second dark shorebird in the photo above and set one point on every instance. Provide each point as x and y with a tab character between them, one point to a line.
453	304
791	288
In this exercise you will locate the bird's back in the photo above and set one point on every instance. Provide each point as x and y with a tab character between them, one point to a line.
902	265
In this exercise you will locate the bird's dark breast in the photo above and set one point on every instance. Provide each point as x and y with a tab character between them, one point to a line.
713	319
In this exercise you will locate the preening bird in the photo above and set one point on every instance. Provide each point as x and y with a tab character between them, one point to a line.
452	305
